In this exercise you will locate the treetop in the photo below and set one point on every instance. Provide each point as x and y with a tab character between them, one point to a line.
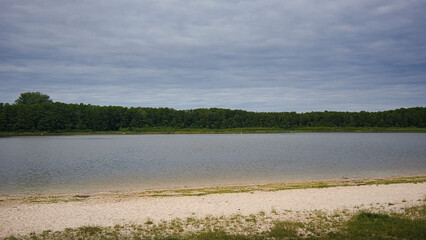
32	98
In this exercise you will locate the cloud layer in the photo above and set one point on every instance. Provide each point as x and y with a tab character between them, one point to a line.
256	55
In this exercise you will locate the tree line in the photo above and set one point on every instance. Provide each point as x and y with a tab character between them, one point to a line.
36	112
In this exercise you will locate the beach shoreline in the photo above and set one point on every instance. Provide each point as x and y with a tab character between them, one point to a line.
37	213
198	190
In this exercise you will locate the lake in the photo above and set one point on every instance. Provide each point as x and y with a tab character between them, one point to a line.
85	163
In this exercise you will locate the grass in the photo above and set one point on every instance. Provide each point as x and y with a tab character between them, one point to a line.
285	229
90	230
50	199
364	224
383	226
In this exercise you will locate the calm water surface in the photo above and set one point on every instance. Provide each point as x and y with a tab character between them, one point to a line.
129	162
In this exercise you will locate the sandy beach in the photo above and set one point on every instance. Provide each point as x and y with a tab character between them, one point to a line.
23	217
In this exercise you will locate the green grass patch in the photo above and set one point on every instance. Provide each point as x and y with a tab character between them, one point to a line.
90	230
214	235
285	229
50	199
383	226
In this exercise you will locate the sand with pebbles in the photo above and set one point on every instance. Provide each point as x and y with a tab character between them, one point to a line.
19	217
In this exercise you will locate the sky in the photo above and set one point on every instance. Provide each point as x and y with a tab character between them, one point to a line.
262	55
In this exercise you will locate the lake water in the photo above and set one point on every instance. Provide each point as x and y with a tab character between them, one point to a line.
57	164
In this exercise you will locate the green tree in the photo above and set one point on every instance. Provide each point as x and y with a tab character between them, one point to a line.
32	98
31	113
3	119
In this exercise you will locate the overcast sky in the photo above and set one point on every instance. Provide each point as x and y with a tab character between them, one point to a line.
265	55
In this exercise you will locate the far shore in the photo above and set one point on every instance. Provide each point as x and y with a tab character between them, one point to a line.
223	131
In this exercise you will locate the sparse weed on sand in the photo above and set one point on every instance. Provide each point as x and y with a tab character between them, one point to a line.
270	187
410	223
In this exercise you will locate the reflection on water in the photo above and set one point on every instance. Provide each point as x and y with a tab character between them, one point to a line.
126	162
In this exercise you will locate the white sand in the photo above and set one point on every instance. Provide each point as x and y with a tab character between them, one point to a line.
22	218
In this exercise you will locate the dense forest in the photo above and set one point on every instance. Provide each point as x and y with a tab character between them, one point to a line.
35	112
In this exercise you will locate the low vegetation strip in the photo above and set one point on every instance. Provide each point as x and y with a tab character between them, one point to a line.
283	186
408	223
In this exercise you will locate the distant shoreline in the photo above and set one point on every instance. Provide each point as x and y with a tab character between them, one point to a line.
222	131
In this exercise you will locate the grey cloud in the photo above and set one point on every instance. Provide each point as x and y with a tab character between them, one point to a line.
299	55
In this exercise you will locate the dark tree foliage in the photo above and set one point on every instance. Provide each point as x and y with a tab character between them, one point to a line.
36	112
32	98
